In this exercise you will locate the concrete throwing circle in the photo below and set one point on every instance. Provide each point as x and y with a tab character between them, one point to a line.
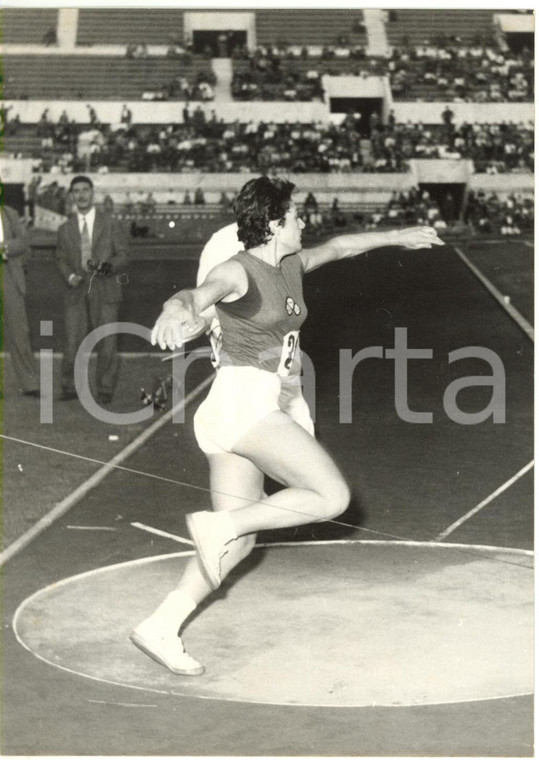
335	624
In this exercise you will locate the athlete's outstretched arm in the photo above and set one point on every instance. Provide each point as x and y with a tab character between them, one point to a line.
348	246
227	280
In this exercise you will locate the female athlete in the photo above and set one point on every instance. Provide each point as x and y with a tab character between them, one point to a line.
253	422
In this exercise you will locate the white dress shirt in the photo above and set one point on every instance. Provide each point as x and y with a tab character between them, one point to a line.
90	219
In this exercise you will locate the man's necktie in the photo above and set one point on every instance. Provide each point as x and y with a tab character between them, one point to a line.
86	246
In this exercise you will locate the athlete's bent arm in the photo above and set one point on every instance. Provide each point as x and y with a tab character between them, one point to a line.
225	281
348	246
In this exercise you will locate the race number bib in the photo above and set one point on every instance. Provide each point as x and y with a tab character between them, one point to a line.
290	347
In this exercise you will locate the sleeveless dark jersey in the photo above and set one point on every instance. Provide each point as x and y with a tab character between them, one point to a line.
261	329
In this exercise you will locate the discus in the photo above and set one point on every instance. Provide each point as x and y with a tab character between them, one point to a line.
190	331
194	329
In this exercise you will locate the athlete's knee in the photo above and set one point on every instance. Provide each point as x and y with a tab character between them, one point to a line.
336	498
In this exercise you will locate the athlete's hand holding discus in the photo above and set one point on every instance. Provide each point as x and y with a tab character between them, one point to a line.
181	319
177	324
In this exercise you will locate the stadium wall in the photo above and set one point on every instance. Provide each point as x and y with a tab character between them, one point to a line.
171	111
360	189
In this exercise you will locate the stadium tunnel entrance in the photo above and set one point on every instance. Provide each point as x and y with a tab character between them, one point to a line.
220	42
449	197
13	195
519	42
370	109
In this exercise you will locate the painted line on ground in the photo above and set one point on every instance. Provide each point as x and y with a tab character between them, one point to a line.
441	536
163	533
89	527
467	548
65	505
500	298
118	704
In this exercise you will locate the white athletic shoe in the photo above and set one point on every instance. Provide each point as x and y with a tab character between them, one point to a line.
166	650
210	536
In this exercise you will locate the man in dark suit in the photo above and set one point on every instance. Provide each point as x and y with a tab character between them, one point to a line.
14	247
91	254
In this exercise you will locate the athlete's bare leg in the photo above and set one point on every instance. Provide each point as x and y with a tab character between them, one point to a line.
315	490
234	482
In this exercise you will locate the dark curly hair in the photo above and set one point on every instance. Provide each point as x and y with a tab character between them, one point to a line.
259	202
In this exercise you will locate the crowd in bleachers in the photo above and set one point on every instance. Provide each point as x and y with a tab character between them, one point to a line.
489	213
200	86
208	144
447	70
288	72
482	213
493	148
411	206
443	69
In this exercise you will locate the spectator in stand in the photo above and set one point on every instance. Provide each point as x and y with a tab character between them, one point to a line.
126	116
170	198
108	204
13	125
509	226
225	202
50	37
310	208
31	196
150	204
44	125
200	200
449	208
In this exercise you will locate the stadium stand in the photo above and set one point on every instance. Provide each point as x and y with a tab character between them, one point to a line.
310	27
459	73
407	26
102	26
69	77
27	25
401	59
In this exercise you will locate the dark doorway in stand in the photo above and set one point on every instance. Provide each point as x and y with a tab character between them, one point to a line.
449	197
13	195
370	110
220	42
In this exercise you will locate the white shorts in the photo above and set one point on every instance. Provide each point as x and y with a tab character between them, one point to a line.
239	398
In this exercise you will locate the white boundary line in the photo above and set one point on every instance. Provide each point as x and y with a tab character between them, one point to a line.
441	536
500	298
171	692
343	542
163	533
62	507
